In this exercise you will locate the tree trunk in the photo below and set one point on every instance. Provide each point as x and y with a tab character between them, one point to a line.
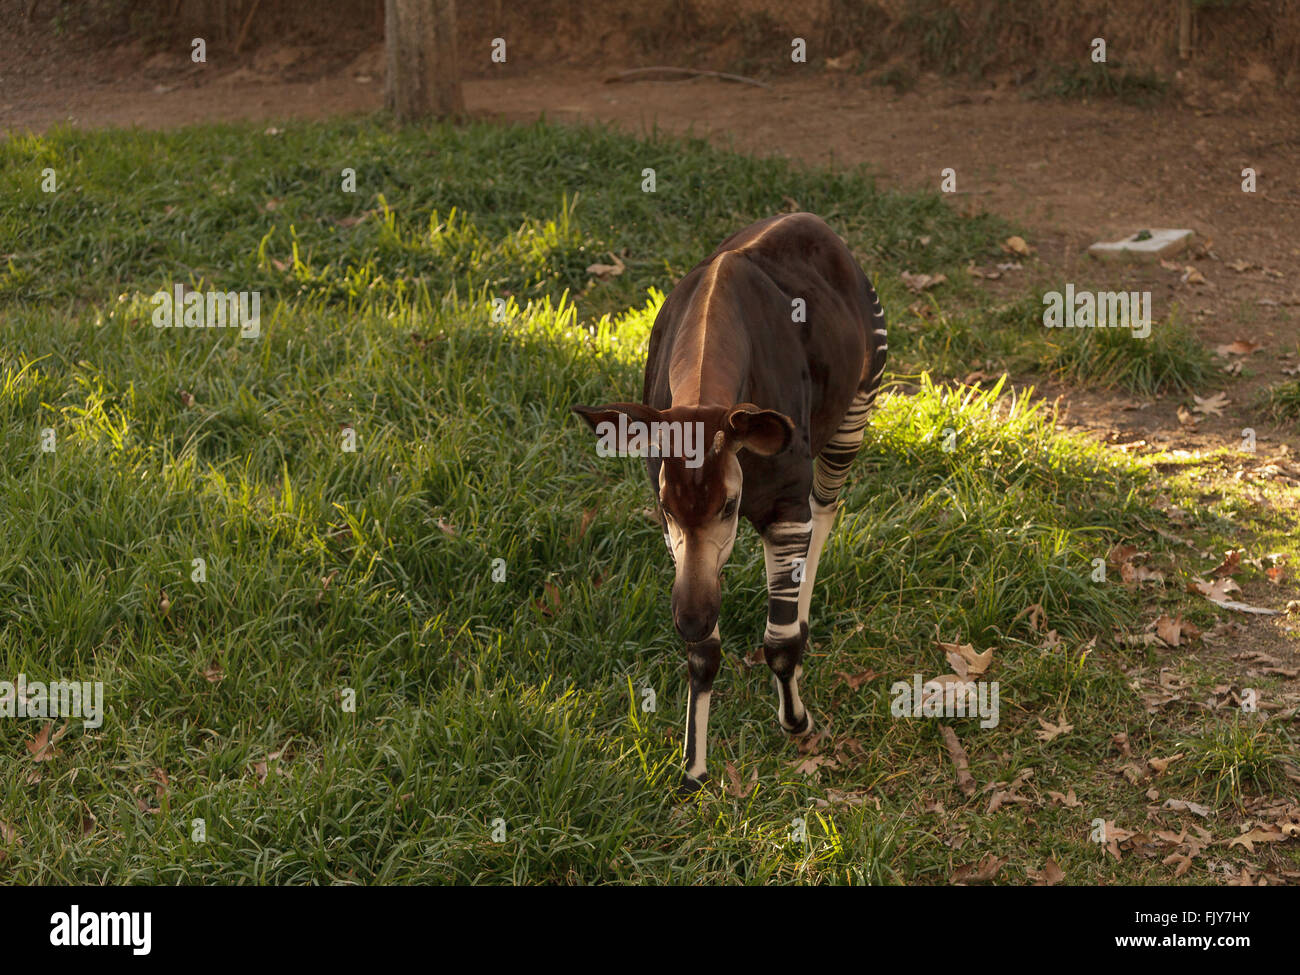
423	76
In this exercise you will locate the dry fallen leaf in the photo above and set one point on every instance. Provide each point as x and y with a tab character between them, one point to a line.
1120	741
965	781
1002	796
1051	731
965	660
1230	565
1123	553
553	603
1069	800
588	516
1248	840
980	873
1183	860
1217	591
1213	591
810	764
1169	629
1238	347
922	282
1160	765
737	788
1211	405
857	680
1184	805
352	221
41	748
1049	876
606	271
1037	616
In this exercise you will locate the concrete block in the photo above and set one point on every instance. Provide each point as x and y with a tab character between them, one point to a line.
1145	245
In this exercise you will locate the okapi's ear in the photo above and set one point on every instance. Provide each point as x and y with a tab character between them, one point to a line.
596	415
765	432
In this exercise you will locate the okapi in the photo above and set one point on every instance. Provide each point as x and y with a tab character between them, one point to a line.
773	390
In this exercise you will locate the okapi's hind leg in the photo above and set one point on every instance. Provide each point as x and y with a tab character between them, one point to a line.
828	479
785	552
702	661
785	645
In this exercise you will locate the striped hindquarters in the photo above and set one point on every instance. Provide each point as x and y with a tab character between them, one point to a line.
834	460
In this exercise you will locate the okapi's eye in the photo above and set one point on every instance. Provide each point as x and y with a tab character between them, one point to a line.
729	508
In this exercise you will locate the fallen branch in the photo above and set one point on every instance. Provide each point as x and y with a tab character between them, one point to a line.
638	74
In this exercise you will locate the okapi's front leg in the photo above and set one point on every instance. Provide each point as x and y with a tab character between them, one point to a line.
702	660
785	551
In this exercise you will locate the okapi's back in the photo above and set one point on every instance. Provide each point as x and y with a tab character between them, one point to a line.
780	314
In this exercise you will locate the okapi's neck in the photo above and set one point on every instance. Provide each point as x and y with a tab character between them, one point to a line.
710	361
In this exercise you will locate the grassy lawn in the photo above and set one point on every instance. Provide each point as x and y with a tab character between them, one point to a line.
427	659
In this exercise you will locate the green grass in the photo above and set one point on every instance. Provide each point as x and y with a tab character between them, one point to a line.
1281	401
968	331
1168	360
546	203
1105	80
367	577
1234	755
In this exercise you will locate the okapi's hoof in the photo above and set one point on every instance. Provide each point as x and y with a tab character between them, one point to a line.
802	730
690	785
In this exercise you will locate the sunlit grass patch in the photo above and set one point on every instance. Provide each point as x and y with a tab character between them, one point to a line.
1170	359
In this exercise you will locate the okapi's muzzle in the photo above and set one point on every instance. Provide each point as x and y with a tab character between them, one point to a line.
696	601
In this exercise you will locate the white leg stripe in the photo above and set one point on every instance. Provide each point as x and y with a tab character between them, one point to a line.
781	631
823	519
701	728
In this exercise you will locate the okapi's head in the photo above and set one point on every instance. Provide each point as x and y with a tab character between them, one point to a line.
699	485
